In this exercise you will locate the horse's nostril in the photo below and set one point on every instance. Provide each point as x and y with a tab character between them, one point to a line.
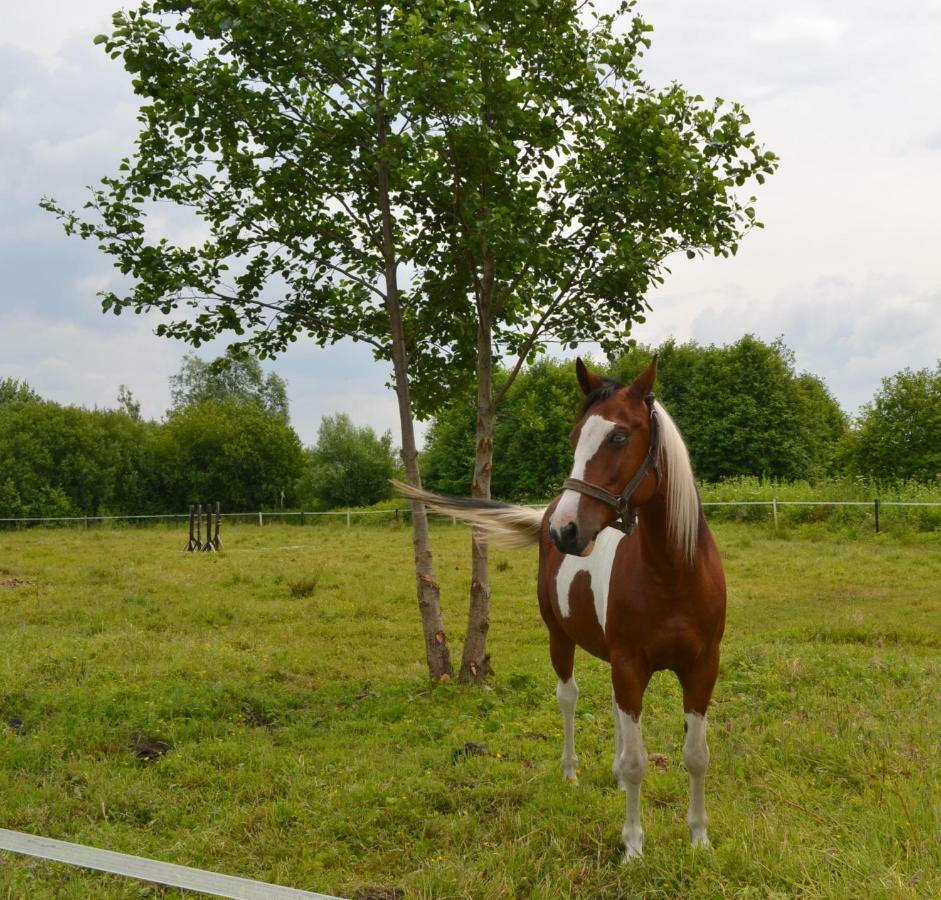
569	533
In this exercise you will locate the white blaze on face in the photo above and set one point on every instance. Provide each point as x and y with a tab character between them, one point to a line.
593	434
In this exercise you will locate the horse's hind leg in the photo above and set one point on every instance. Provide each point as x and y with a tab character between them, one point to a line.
562	651
697	691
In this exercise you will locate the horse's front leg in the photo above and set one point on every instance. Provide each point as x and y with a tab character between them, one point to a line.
629	682
616	765
562	652
566	692
697	692
696	758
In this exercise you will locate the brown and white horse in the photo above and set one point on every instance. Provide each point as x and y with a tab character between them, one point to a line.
643	598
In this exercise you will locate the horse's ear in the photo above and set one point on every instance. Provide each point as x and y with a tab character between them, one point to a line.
643	383
586	380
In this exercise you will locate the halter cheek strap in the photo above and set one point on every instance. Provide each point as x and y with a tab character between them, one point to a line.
621	503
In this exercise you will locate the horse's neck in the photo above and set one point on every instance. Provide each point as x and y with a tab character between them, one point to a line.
653	530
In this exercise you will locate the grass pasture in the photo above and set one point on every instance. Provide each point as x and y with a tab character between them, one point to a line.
305	747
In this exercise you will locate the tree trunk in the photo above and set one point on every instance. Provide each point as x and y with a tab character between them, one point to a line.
429	606
475	661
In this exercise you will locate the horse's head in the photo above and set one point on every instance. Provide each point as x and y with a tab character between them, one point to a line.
616	445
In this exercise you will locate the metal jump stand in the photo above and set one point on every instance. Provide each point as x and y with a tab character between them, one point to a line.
213	541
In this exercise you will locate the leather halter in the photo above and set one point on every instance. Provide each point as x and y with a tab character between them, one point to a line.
621	503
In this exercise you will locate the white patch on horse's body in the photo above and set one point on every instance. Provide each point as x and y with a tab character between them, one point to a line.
631	766
598	564
696	758
592	436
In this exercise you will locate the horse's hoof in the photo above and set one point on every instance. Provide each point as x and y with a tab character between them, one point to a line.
700	839
633	839
570	770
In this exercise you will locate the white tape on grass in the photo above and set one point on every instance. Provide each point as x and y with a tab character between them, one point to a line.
150	869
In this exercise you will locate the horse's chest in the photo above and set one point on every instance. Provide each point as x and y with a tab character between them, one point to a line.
583	591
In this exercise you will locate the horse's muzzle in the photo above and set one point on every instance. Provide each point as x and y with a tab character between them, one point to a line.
568	539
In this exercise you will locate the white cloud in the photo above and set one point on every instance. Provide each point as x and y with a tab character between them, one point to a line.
851	333
790	29
846	270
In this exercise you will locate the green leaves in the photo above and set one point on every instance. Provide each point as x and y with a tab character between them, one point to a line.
899	433
349	466
535	177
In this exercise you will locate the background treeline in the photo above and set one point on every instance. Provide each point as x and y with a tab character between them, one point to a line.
743	408
226	437
750	420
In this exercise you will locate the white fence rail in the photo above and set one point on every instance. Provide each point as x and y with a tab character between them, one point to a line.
152	870
877	505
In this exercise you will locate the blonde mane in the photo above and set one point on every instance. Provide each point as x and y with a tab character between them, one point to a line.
682	497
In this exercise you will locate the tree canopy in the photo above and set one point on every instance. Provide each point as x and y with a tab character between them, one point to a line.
523	152
13	390
348	466
742	408
446	181
898	434
69	461
230	450
64	461
227	378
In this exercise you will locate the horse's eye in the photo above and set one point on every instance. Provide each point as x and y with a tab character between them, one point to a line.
619	437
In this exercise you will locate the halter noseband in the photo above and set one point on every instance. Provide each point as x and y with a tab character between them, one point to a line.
621	503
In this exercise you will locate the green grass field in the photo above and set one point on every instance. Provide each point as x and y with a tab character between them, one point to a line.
306	748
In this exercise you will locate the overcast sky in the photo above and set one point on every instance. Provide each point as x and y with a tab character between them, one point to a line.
846	270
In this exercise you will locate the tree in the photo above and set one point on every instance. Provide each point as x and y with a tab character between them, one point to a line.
229	377
232	451
322	146
824	425
898	434
349	466
12	390
745	411
127	404
742	407
532	453
64	460
558	184
287	130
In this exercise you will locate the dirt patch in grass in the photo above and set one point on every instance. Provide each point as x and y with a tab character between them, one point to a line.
380	893
149	749
14	582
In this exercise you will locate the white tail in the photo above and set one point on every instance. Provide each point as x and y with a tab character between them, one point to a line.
502	523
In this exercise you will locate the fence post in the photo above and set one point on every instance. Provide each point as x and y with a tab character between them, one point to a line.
86	522
774	511
347	518
302	517
876	504
261	521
